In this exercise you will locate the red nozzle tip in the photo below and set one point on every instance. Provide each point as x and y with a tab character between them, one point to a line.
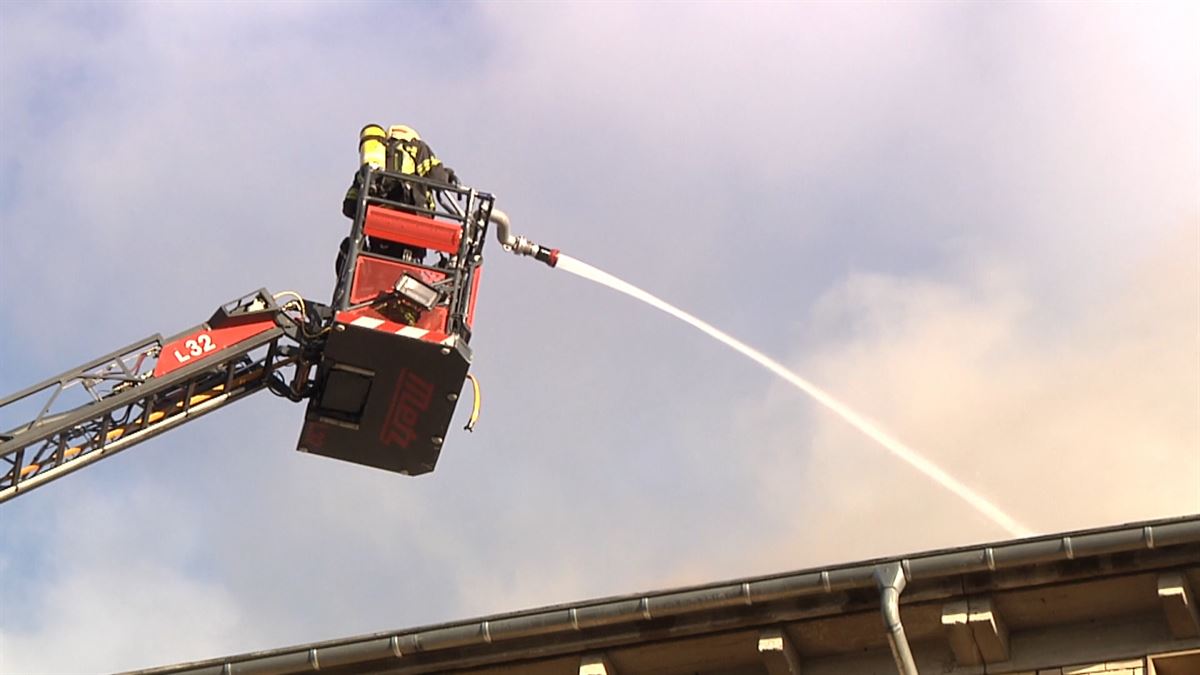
547	255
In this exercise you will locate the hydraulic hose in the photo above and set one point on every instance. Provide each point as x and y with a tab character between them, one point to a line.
475	403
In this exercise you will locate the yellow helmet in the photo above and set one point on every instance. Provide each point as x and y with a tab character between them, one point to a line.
403	132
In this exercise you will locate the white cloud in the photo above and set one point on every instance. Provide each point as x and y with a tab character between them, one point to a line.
109	598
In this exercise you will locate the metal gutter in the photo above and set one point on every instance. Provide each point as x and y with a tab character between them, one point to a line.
564	620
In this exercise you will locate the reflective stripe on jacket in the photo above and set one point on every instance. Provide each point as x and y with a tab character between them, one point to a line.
410	157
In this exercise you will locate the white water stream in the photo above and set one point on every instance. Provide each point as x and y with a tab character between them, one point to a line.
872	430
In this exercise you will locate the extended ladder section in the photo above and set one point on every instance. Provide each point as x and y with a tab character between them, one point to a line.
135	393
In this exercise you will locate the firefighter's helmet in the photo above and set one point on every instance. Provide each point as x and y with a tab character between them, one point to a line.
403	132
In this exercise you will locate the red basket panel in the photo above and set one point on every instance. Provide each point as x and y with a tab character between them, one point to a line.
407	228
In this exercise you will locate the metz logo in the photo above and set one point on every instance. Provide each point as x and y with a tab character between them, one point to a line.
410	400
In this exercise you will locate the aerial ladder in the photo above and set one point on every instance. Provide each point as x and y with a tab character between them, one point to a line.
381	367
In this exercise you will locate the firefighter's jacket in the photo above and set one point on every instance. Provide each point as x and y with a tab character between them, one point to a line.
411	157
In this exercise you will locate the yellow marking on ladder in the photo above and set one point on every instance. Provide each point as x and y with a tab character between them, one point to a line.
114	434
158	415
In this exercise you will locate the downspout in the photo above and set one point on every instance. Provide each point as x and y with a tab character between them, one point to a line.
891	581
521	245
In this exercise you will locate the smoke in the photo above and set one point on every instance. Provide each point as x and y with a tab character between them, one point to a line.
1068	422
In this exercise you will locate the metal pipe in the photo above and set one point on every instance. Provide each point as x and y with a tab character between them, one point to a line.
891	582
520	245
503	229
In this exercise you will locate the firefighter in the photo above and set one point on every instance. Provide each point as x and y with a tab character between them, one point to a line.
406	153
400	151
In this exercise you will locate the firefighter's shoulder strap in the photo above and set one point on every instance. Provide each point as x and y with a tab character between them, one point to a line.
413	157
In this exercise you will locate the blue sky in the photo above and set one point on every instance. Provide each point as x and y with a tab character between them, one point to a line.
976	223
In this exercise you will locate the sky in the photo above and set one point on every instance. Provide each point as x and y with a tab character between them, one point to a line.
977	224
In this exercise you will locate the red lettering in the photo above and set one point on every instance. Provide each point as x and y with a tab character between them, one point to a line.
395	435
410	400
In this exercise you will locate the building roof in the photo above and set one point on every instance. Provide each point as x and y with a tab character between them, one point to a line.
1105	579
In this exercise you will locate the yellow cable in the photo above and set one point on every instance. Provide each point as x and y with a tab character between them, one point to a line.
475	405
